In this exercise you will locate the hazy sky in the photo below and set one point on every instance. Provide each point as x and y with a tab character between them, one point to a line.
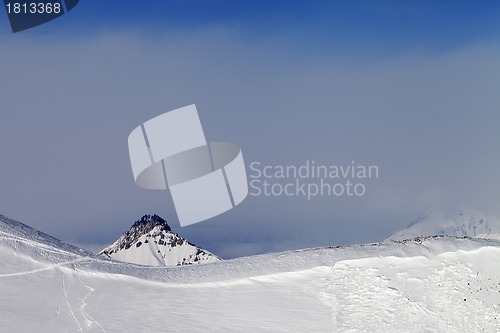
411	87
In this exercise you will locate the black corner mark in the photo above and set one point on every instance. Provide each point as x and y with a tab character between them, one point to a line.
26	14
70	4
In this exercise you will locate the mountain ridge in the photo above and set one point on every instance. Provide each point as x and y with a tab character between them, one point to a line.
461	222
372	287
14	228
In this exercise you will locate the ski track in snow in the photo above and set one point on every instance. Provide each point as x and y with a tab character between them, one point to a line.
88	318
80	298
72	313
46	268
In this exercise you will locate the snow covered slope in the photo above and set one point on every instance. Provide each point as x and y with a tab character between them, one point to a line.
151	242
435	284
459	223
36	249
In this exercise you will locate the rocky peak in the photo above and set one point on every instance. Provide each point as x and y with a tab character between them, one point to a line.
148	222
153	225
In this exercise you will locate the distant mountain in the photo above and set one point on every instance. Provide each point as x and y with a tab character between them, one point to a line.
151	242
459	223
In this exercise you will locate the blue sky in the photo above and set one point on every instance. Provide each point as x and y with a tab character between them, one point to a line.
409	86
345	26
